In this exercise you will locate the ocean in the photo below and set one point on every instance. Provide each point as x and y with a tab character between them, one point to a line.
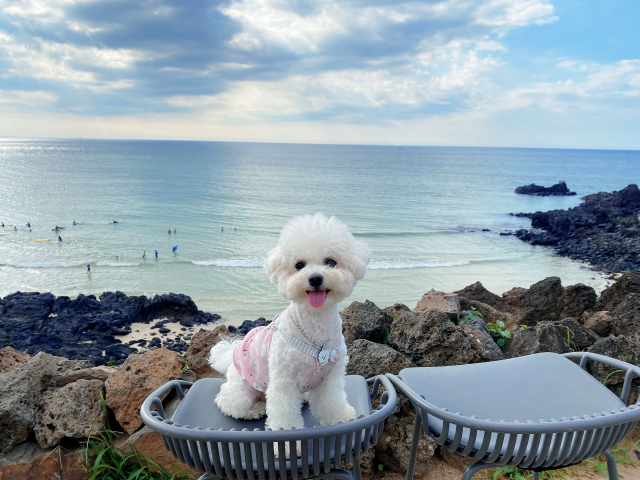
420	209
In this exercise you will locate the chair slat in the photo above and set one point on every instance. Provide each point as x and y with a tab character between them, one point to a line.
338	451
186	454
282	459
491	458
368	432
214	449
226	457
271	460
541	454
304	452
453	446
533	450
259	446
196	455
554	450
505	457
176	448
486	440
471	443
348	446
326	461
293	449
316	457
248	460
521	451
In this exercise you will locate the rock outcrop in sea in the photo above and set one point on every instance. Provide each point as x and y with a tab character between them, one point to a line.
560	189
604	230
46	400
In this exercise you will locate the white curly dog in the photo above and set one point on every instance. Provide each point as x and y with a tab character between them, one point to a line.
316	264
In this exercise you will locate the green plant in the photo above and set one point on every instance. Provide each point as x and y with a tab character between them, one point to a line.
105	462
499	332
384	336
185	364
471	314
112	363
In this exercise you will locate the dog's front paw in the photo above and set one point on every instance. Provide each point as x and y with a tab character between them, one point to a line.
287	449
349	413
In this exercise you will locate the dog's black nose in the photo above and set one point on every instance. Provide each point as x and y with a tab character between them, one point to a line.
316	280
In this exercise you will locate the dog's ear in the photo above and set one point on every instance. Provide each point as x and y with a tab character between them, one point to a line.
273	264
361	256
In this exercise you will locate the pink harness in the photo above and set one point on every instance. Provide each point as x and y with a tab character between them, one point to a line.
251	359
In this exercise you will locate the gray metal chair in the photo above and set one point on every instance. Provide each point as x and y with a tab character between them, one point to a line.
221	447
538	412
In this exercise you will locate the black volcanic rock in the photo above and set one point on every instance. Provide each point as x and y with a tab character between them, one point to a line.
558	190
603	231
86	328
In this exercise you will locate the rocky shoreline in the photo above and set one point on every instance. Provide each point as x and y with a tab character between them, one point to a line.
48	401
87	328
603	231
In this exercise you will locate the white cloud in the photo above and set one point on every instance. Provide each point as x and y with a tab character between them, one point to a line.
31	98
515	13
48	60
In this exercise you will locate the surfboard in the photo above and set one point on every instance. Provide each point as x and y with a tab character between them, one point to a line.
42	240
55	229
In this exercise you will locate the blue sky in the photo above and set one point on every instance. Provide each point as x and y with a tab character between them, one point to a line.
530	73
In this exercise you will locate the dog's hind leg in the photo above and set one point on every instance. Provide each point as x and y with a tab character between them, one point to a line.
238	399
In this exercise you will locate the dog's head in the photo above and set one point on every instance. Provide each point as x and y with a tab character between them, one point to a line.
317	261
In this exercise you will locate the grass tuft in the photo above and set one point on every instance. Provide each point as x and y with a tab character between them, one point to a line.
106	462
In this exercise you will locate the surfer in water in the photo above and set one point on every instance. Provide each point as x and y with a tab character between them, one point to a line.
156	253
144	254
175	248
59	238
222	229
28	225
88	268
15	229
169	231
115	221
175	231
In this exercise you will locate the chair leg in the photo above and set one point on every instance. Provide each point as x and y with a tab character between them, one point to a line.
475	468
611	465
413	453
536	475
339	474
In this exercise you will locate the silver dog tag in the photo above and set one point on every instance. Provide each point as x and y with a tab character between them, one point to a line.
323	356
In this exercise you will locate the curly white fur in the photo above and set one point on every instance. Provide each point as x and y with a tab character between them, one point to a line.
308	242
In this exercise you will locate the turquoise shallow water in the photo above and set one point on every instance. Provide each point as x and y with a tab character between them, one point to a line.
420	209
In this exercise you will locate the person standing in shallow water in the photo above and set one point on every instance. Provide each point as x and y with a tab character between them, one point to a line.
88	268
144	254
174	230
156	253
169	231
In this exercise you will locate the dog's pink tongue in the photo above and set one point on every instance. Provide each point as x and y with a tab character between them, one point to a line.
317	297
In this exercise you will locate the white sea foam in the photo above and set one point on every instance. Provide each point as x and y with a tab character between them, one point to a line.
251	262
399	265
47	265
116	264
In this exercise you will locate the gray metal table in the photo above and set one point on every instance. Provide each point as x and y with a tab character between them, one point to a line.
539	412
221	447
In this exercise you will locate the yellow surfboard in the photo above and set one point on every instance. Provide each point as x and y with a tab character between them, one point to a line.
42	240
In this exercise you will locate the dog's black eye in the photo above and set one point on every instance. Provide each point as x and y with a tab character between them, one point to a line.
300	265
329	262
